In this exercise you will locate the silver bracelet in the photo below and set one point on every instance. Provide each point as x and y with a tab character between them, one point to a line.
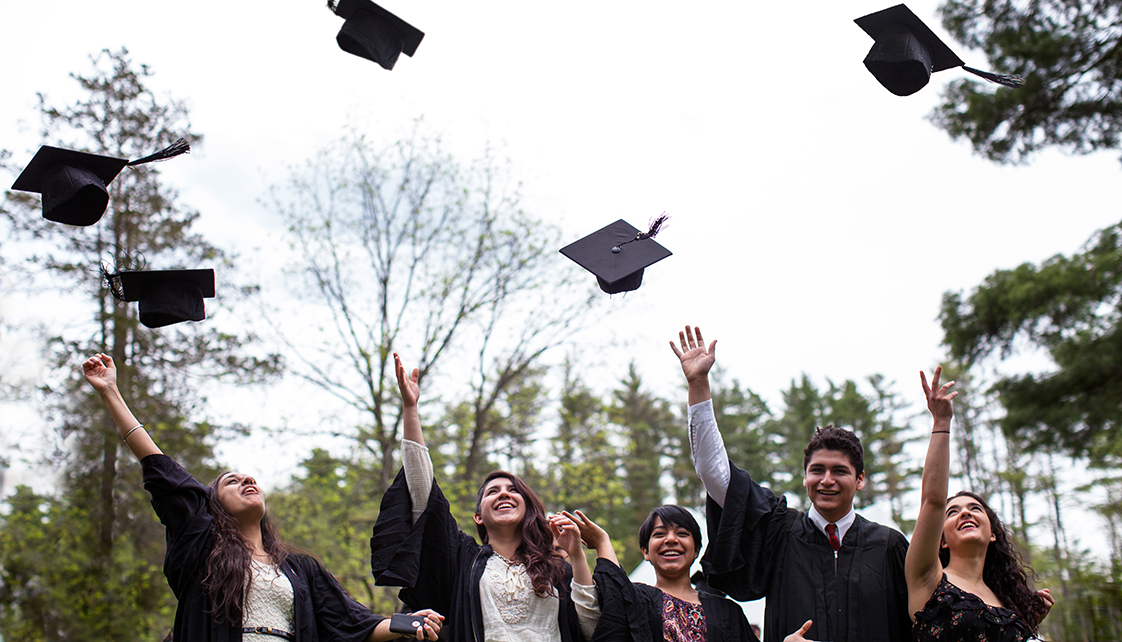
131	431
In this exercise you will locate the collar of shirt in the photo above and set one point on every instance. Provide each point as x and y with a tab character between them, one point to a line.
843	523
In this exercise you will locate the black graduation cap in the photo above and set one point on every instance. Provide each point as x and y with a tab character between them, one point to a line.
906	52
165	296
618	254
371	32
73	183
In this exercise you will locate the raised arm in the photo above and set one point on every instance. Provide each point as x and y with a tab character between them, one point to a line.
707	448
101	373
922	567
414	455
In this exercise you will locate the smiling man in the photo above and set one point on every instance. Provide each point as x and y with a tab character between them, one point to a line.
828	568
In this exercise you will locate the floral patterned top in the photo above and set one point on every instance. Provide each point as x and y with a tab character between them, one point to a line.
681	620
953	615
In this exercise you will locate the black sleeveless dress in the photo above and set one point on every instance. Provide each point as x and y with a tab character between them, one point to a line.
953	615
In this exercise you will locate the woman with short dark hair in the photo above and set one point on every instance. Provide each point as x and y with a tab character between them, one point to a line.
672	610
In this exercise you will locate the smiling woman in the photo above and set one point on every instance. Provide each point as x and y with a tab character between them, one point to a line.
516	585
232	574
672	609
965	578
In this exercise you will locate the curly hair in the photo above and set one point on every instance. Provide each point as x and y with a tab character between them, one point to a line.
1004	571
544	564
228	564
833	438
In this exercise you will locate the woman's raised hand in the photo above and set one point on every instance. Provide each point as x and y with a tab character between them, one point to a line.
100	372
938	399
409	384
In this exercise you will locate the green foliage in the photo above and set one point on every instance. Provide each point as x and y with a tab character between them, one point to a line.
103	551
1070	308
645	423
1069	53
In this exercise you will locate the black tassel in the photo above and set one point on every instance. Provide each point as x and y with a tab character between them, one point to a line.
656	226
113	282
1001	79
180	146
332	4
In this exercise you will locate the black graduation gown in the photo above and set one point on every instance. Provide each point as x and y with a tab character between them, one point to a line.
632	612
439	566
322	609
760	548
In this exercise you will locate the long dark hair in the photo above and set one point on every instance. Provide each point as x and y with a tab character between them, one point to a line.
544	565
1004	571
228	564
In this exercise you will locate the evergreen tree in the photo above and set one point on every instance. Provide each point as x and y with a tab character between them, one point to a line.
111	555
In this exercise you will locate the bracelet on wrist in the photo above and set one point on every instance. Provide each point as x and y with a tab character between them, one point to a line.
131	431
939	431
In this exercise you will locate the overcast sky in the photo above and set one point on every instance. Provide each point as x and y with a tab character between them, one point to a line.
816	218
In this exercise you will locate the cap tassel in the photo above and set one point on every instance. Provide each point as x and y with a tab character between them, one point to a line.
333	4
655	228
1001	79
180	146
113	281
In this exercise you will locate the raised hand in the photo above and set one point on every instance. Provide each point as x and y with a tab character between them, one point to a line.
409	385
696	360
567	534
100	371
594	537
938	399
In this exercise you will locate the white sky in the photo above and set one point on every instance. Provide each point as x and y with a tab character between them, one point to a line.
817	219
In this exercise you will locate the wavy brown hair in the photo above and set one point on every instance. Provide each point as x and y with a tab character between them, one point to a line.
228	564
544	564
1004	571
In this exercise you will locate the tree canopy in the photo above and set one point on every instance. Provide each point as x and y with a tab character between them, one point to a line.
1070	56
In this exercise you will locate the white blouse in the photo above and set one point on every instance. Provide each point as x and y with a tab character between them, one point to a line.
268	602
512	612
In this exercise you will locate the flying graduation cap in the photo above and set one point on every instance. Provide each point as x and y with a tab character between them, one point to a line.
73	184
906	52
165	296
618	254
371	32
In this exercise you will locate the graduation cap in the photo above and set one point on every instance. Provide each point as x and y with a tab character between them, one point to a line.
906	52
165	296
73	184
371	32
618	254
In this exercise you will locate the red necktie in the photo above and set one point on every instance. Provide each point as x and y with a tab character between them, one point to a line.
832	531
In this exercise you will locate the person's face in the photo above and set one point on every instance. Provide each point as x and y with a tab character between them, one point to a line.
671	549
501	505
241	496
831	481
966	523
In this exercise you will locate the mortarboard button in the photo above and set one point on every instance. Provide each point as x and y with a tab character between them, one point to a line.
906	52
371	32
165	296
618	254
73	183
